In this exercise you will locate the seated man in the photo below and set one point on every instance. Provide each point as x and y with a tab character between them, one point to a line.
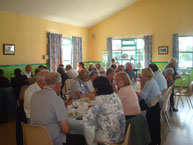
48	110
71	73
158	77
37	86
130	72
18	81
100	69
4	82
28	70
172	64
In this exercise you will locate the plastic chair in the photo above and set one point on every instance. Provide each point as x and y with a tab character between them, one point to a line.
35	135
164	108
126	140
188	93
179	90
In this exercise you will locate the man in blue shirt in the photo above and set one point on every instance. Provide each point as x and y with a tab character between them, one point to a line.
172	64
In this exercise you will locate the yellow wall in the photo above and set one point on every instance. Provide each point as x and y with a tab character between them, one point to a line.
161	18
29	36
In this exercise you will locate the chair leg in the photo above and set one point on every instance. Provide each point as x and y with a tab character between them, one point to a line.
167	121
177	101
187	101
162	125
182	101
190	101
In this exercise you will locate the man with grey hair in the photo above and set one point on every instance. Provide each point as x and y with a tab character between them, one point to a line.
172	64
71	73
38	85
94	74
48	110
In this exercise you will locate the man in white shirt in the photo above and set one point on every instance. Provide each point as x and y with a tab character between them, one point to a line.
37	86
71	72
94	74
28	70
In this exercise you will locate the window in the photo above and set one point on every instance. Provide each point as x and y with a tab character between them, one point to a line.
129	50
67	51
186	52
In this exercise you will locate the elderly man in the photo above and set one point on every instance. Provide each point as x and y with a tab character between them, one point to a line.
28	70
94	74
71	73
130	72
172	64
158	77
48	110
37	86
100	69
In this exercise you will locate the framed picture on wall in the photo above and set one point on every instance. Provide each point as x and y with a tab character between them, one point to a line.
8	49
163	50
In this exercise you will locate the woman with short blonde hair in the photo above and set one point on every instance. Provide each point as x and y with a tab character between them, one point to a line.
127	95
149	89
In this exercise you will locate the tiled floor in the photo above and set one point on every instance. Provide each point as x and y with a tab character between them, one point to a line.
181	133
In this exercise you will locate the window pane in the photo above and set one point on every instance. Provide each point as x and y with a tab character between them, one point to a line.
185	60
186	43
128	42
66	51
116	44
129	48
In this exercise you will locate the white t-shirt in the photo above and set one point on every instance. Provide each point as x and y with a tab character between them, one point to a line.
90	85
27	97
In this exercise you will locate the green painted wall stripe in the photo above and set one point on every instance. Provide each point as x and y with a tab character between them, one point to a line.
159	62
22	65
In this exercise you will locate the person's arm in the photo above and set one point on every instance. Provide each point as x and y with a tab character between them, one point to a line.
145	91
65	126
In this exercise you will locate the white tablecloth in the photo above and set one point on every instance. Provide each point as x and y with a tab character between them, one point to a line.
78	127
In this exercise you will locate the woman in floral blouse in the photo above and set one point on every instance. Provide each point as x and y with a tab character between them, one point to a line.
107	113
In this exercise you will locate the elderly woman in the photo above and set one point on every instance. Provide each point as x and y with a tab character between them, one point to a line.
127	95
106	113
91	67
149	89
78	88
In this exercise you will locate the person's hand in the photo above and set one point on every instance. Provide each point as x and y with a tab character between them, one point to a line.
91	96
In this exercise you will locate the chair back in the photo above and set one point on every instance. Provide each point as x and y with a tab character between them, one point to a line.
166	99
127	136
181	84
190	89
35	135
22	92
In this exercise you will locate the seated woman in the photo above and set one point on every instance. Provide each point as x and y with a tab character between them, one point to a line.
149	89
91	67
106	114
78	88
80	67
127	95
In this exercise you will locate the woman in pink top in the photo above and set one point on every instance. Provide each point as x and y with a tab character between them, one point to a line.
127	95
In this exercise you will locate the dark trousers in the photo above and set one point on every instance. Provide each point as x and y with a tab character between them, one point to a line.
74	139
172	99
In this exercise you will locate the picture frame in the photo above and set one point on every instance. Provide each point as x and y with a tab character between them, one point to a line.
8	49
163	50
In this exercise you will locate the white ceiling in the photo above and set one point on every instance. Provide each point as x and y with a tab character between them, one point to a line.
84	13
